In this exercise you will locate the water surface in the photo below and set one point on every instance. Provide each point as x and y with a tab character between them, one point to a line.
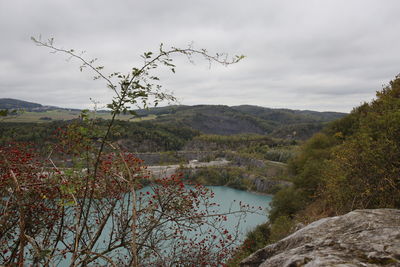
226	196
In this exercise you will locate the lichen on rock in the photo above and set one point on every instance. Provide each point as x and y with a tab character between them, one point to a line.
358	238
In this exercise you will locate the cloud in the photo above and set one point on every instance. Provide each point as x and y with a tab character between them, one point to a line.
321	55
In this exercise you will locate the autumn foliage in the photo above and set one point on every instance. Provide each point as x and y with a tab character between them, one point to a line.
45	217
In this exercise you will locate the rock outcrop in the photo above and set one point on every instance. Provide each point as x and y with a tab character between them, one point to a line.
269	186
156	158
358	238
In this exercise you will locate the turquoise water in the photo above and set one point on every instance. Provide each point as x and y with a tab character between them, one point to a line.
226	196
228	199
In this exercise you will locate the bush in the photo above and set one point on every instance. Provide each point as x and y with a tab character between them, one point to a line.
279	154
281	228
255	240
287	202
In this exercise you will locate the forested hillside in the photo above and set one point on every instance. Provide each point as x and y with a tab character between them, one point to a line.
9	103
225	120
139	137
354	163
206	119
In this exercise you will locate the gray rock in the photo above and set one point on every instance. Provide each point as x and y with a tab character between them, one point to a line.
358	238
268	185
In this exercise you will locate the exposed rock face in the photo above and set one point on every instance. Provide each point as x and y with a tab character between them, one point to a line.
245	161
358	238
155	158
269	185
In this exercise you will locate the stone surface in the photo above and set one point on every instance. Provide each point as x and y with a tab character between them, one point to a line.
271	186
191	167
156	158
358	238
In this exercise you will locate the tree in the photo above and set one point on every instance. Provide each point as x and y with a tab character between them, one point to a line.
352	164
364	169
51	213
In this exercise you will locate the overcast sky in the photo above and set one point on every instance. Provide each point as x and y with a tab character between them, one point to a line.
300	54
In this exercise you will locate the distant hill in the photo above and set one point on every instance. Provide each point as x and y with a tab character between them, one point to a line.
9	103
225	120
208	119
289	115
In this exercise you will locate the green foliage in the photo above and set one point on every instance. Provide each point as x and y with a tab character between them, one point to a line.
280	154
289	116
224	120
245	143
255	239
353	163
158	137
227	176
9	113
281	228
311	162
258	237
298	131
287	202
365	168
27	132
3	112
234	177
261	236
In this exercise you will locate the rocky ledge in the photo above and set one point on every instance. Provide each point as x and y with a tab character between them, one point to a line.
358	238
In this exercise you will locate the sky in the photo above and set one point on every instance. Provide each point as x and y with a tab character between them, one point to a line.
324	55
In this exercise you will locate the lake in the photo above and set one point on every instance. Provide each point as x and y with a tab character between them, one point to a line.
227	198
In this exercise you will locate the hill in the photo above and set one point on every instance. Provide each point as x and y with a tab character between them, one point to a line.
9	103
288	115
16	104
225	120
207	119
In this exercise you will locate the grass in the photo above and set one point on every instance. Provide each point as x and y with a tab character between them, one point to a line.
63	115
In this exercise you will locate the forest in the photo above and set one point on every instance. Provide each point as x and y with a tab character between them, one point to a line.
353	163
